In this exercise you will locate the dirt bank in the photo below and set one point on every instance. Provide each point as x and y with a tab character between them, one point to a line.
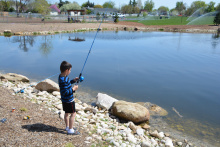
27	28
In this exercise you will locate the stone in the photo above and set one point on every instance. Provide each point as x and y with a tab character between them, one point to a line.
154	109
59	107
104	101
131	138
130	111
56	93
140	132
167	135
91	110
132	126
18	33
169	143
155	134
179	143
14	77
146	126
47	85
146	144
7	31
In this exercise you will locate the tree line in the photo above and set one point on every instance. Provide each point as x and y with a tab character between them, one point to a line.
133	6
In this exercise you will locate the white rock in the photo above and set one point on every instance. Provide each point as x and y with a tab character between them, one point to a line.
140	132
110	138
137	146
85	105
154	142
59	107
179	143
123	145
169	143
161	135
56	93
146	144
104	101
88	138
131	138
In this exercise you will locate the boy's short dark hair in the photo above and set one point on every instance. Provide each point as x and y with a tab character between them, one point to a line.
64	66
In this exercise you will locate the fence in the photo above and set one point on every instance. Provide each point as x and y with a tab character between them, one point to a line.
13	17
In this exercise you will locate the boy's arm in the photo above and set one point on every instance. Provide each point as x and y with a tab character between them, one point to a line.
74	80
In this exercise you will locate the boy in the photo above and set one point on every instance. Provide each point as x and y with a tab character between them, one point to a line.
66	92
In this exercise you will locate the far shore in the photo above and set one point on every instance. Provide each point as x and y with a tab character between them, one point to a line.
55	28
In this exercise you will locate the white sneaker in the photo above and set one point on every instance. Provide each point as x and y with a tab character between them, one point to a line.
67	128
70	131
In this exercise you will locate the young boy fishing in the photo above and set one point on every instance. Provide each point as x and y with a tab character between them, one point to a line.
67	98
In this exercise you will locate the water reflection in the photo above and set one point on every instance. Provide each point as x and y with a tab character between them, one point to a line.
46	46
215	40
24	41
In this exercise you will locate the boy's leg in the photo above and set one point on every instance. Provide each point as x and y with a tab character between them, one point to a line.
66	119
71	120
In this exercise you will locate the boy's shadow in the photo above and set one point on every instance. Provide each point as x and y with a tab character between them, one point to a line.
39	127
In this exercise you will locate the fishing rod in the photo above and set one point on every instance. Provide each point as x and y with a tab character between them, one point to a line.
81	78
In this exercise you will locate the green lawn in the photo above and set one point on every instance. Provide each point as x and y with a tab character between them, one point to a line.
173	21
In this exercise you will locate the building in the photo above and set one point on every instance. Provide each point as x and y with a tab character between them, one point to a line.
54	10
108	11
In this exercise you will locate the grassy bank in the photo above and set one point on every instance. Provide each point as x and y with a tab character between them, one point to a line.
178	20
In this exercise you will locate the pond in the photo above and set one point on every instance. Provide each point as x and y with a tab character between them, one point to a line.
172	70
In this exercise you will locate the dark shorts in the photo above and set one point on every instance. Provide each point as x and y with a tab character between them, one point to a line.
69	107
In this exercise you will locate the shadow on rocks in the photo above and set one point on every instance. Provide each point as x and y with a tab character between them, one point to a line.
38	127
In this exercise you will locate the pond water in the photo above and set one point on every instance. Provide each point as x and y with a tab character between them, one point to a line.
177	70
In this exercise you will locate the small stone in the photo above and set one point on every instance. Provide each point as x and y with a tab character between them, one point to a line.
167	135
179	143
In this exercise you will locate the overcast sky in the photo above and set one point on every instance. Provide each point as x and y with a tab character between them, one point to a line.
168	3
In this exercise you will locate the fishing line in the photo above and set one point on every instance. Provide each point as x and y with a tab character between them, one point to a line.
81	78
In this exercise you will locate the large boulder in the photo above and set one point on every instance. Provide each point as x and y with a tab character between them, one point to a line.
130	111
104	101
47	85
14	77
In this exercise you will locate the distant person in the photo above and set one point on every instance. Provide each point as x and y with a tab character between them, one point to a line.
67	98
68	18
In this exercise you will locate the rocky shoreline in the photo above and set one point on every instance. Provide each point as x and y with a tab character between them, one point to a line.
99	123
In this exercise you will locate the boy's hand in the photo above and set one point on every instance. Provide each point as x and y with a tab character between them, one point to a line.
76	79
75	87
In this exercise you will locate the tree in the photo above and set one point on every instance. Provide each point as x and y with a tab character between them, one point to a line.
4	5
198	4
144	14
97	16
98	6
180	7
163	10
218	7
126	9
109	5
130	3
134	3
136	10
88	4
210	7
217	19
71	6
149	5
139	4
42	6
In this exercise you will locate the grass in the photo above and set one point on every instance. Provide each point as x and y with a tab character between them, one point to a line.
163	21
175	20
69	145
23	109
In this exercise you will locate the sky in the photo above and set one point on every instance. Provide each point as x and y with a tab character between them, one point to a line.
168	3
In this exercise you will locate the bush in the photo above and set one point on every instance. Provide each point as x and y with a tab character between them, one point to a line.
217	19
11	9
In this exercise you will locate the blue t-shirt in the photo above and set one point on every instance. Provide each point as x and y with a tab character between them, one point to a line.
66	90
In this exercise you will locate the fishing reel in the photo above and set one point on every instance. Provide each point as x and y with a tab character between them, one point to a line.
81	78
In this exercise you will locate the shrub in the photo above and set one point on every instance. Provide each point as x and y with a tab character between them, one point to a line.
217	19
